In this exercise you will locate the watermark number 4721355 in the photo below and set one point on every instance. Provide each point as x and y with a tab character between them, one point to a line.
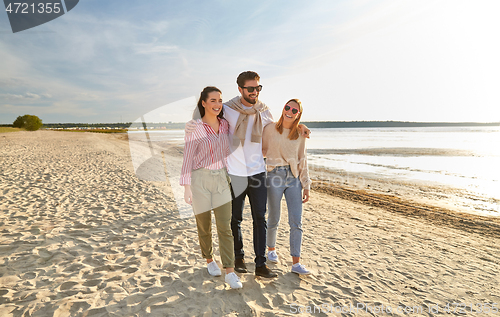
26	14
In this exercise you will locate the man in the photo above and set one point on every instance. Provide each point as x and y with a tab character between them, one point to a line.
247	116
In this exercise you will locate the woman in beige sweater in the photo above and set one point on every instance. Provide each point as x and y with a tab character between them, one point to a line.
287	174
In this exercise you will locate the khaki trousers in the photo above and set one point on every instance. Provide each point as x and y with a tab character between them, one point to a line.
211	191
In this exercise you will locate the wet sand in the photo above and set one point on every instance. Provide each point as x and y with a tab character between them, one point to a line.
81	235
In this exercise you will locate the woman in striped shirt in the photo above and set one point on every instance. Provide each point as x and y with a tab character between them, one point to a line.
206	182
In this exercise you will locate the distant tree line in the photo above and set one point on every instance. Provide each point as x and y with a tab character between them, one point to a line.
86	125
149	125
391	124
169	125
309	124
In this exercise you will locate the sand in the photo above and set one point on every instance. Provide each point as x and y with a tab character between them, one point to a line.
81	235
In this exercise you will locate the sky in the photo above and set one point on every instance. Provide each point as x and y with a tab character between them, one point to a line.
349	60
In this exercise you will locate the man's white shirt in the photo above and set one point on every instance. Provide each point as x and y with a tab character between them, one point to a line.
246	160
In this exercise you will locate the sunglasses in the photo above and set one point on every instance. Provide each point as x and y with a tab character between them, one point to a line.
294	110
251	89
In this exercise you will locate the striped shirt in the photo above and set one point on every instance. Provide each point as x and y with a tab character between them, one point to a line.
205	148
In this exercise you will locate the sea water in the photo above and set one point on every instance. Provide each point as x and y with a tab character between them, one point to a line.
466	158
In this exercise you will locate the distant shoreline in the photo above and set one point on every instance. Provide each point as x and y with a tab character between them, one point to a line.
309	124
392	124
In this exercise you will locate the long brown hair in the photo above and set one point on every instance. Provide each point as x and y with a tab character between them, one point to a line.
294	131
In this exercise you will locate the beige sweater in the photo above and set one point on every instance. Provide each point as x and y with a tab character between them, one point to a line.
279	150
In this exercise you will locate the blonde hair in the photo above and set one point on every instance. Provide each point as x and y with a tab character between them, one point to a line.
294	130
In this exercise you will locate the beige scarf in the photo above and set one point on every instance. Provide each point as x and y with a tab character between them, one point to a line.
242	123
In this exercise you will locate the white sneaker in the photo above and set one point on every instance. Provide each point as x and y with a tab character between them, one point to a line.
272	256
233	280
300	269
213	269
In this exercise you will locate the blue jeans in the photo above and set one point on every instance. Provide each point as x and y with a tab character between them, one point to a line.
281	181
255	187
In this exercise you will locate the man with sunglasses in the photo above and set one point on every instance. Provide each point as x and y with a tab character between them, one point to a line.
247	117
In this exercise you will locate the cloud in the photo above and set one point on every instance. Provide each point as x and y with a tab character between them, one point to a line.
86	96
67	108
28	96
11	82
149	49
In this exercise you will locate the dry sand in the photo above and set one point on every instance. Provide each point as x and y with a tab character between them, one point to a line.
80	235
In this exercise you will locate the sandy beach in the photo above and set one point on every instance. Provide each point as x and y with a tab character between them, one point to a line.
81	235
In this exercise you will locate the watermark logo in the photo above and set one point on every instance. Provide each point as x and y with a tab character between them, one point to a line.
27	14
157	153
150	147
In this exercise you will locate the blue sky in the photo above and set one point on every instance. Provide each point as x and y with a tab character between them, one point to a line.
115	60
